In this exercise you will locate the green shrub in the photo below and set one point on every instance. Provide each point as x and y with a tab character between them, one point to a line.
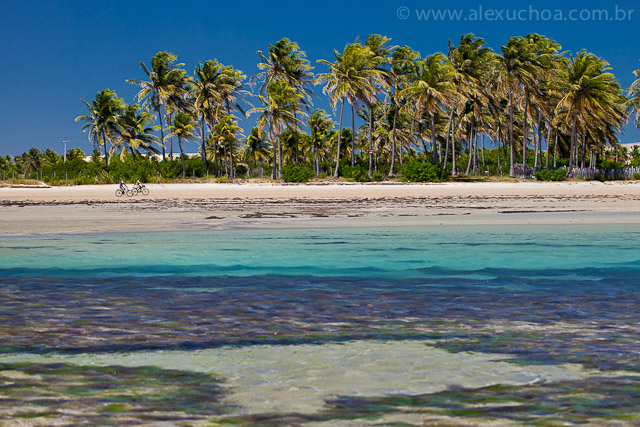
610	164
547	175
293	173
600	177
636	176
377	176
423	172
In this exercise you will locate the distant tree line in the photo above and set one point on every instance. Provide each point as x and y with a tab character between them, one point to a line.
469	111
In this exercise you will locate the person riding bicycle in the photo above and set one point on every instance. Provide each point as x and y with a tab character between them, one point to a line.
122	186
138	184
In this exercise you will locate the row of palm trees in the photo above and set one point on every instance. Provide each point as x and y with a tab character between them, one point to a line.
439	105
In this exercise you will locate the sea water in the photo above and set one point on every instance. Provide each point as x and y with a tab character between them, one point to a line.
203	300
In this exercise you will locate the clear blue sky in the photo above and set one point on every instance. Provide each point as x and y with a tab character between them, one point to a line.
56	52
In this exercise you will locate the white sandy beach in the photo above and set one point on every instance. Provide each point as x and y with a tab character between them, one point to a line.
196	206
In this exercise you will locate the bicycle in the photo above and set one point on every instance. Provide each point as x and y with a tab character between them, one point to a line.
121	191
138	190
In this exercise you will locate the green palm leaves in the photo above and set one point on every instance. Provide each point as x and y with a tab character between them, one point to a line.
165	85
184	127
101	122
134	131
354	77
592	97
278	111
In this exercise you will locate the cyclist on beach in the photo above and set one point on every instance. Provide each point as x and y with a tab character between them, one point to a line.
122	184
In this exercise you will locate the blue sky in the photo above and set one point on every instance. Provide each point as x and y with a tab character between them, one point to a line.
56	52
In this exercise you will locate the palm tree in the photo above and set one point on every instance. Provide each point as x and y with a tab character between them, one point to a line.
208	101
402	64
350	78
381	50
276	113
231	93
102	117
134	132
515	72
226	132
320	124
633	103
164	80
287	63
593	95
471	60
256	148
184	127
431	91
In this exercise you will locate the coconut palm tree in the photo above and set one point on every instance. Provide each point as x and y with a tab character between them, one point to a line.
402	64
592	95
470	60
633	103
276	113
287	63
256	148
102	118
350	78
208	100
379	46
164	79
431	91
134	131
320	124
232	91
184	127
514	73
226	132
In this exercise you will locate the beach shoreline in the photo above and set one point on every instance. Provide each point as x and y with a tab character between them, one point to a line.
86	209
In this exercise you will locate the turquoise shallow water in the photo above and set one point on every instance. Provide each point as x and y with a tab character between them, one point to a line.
393	253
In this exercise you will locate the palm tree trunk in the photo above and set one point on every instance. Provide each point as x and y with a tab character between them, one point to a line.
353	137
499	149
280	174
275	153
316	160
184	168
434	143
337	171
555	151
538	141
483	161
393	142
171	140
370	141
512	171
164	151
204	149
548	147
232	168
104	141
525	133
573	140
470	136
446	151
295	134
